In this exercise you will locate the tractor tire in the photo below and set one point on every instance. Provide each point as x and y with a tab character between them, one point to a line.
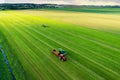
62	60
59	57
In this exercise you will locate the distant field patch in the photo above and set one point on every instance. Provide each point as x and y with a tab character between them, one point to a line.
103	10
92	20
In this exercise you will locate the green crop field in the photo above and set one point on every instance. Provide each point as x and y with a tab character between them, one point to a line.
88	9
90	39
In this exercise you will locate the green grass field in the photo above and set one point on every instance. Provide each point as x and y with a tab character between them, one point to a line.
93	54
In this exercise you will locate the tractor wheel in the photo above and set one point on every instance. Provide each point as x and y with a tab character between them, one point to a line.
62	60
59	57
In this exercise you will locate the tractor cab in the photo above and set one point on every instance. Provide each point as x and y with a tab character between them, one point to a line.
61	51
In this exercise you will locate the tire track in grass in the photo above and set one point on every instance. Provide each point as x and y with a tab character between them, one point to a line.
100	39
90	39
104	37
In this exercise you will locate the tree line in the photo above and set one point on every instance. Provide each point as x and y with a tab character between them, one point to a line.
27	6
39	6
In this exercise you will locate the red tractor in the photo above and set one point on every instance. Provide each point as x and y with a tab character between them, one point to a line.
59	55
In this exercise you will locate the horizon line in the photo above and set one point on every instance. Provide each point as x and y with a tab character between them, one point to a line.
54	3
